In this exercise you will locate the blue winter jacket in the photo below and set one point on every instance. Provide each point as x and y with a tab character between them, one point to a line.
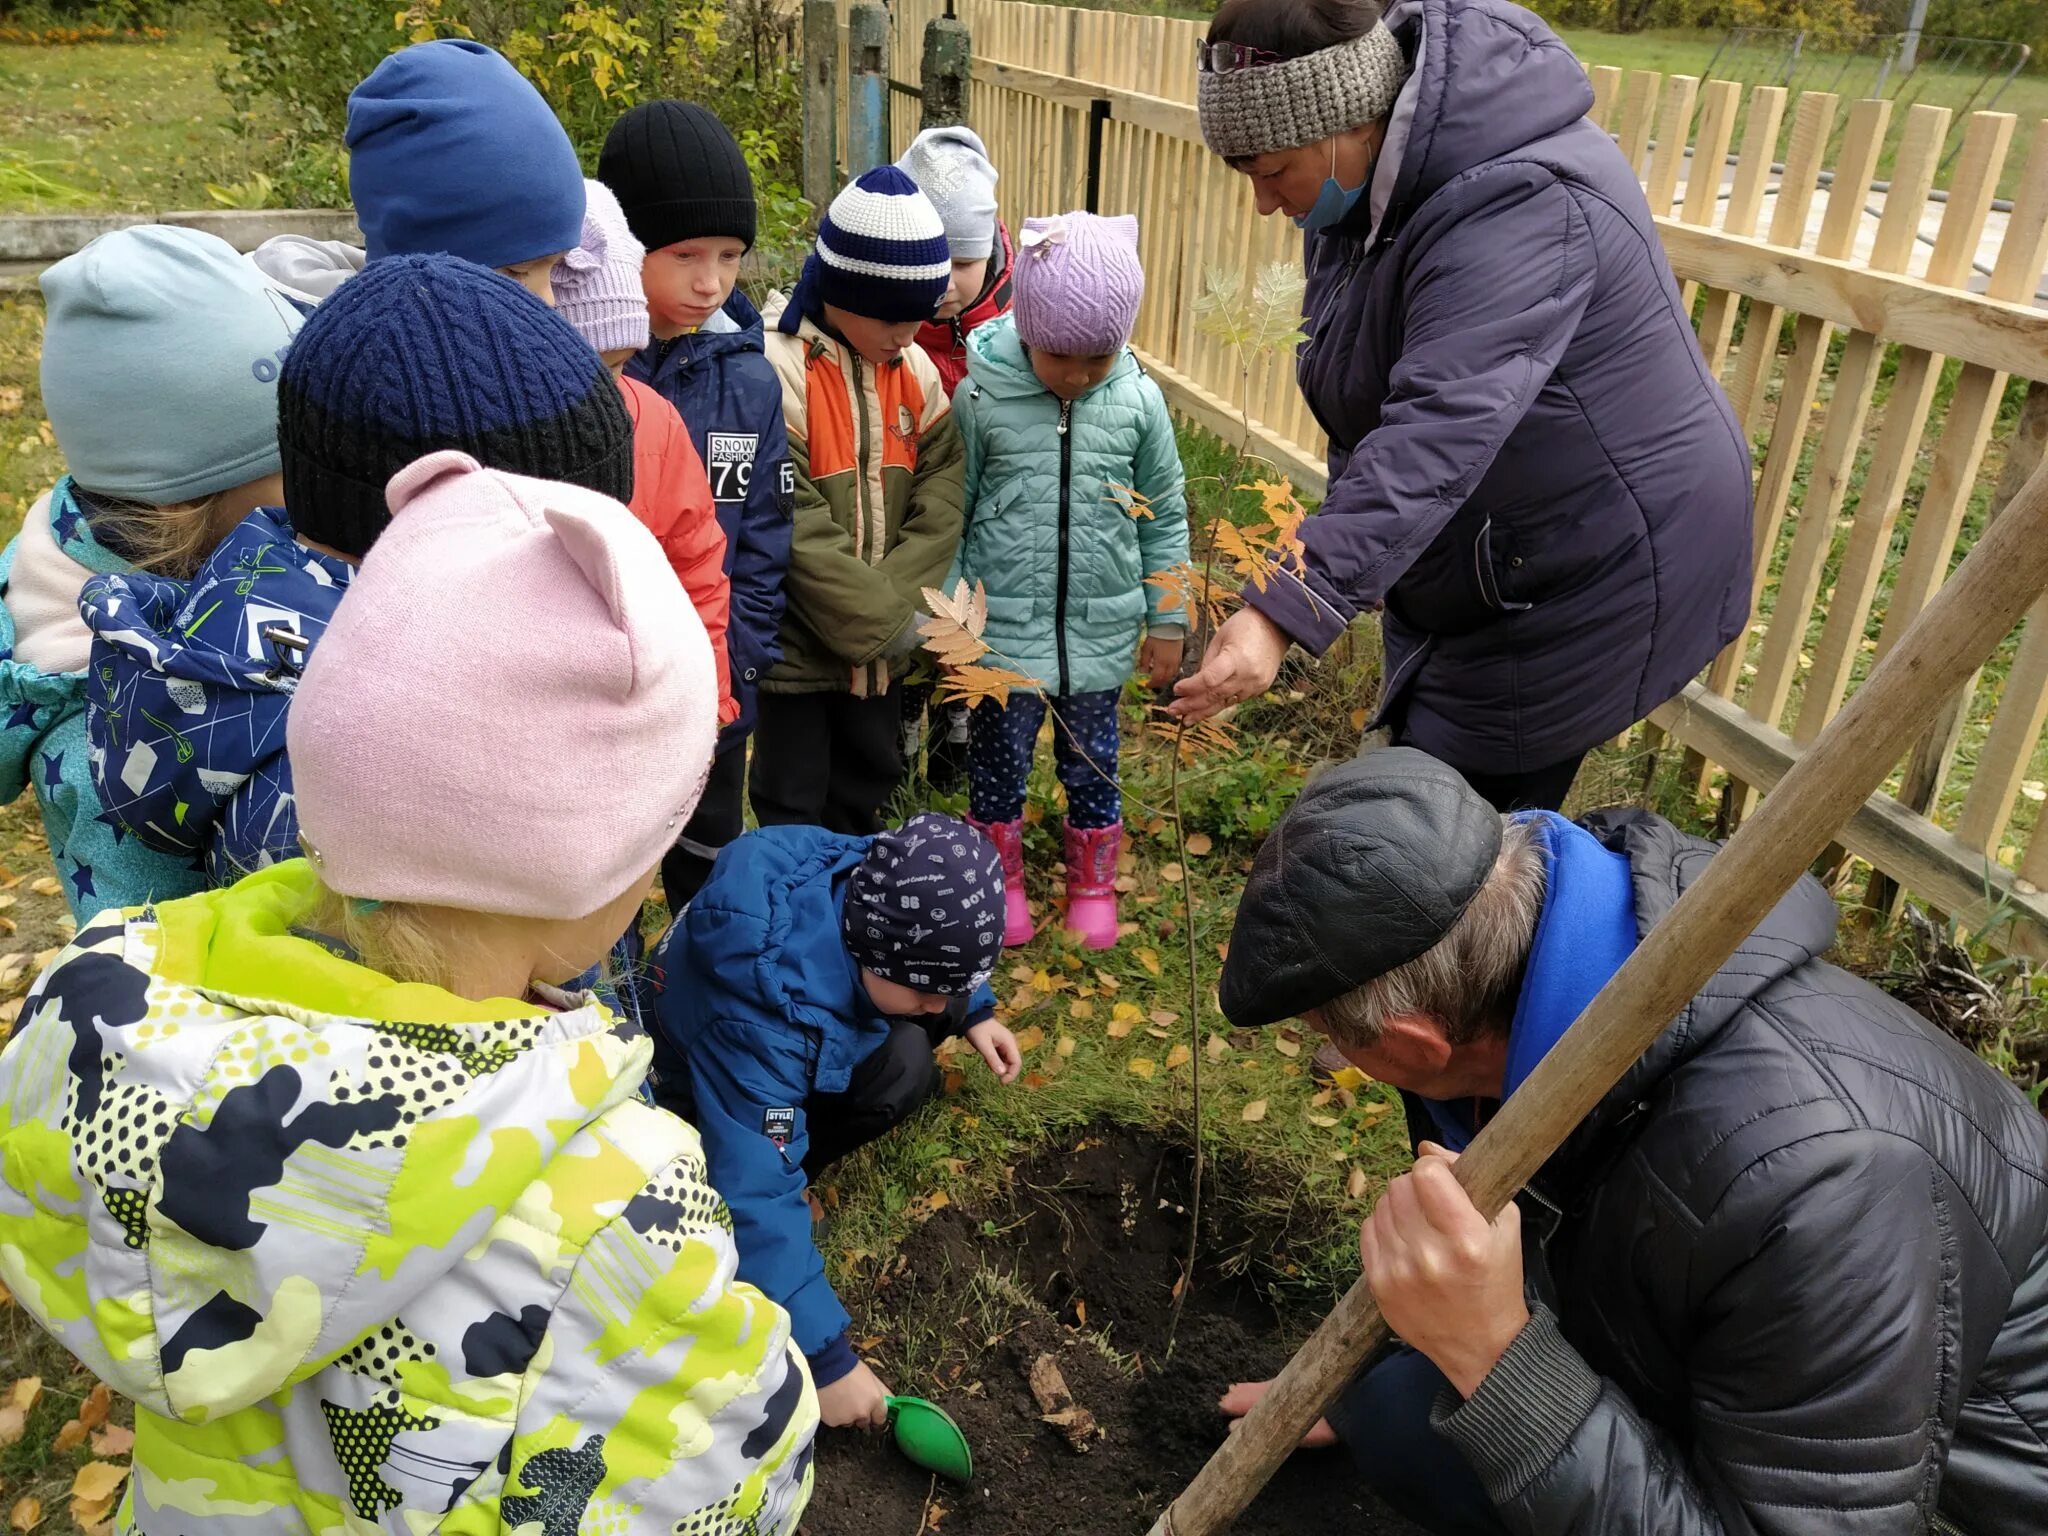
43	654
188	696
755	992
1050	530
719	381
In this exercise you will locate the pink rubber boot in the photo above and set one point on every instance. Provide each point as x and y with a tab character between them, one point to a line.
1091	883
1008	836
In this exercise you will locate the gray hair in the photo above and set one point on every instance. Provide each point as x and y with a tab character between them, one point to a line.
1468	981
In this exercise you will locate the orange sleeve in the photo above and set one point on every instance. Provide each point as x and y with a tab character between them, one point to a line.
672	496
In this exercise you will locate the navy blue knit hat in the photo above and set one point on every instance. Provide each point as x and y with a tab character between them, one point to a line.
421	353
924	909
881	253
452	149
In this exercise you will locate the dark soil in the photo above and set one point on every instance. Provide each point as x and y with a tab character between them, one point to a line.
1082	1252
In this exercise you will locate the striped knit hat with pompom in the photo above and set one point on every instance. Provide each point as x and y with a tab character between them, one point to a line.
882	251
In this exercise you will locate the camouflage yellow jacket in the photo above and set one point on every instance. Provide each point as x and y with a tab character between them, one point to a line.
373	1258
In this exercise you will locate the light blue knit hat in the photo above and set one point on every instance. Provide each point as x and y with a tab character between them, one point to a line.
161	353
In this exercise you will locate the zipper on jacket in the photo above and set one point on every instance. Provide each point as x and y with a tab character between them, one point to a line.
862	513
1059	611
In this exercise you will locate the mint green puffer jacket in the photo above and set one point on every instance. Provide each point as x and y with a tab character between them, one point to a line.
1061	554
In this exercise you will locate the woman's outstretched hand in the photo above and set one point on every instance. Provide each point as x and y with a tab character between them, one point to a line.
1241	663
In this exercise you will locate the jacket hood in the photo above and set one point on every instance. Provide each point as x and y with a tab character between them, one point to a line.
1489	78
1663	864
229	1124
192	697
998	363
766	929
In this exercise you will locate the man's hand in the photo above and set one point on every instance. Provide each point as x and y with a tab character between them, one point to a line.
1447	1280
1241	663
998	1048
857	1400
1237	1402
1159	659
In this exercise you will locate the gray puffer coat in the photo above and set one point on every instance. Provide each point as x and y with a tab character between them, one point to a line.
1798	1260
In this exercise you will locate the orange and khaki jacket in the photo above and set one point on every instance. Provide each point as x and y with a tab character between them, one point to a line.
880	485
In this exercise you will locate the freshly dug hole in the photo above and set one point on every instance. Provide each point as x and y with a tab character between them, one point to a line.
1077	1262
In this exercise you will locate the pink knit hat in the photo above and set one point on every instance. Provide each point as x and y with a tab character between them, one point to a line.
514	709
597	285
1078	283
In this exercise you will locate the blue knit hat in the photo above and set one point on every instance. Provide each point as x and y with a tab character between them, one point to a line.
924	909
452	150
881	253
422	353
161	354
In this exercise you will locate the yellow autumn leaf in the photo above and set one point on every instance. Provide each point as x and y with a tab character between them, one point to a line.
1107	982
1148	958
1127	1013
1179	1056
1081	1008
1285	1046
1218	1048
1349	1078
1140	1066
1171	873
1199	844
1031	1039
1118	1028
1254	1112
1066	1045
1042	979
26	1515
1163	1016
1354	1186
1324	1122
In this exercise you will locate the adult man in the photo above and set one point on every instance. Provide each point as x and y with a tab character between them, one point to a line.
1790	1276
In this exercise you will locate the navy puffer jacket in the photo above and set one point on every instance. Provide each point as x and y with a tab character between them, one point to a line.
1531	470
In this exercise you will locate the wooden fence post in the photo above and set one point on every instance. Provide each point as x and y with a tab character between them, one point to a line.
948	65
821	102
867	88
1970	615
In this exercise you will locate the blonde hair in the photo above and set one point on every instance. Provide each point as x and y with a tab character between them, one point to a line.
170	540
394	939
1469	980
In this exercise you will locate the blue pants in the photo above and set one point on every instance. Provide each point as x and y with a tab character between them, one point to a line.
1084	742
1383	1421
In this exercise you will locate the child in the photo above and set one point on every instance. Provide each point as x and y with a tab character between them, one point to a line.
191	681
689	198
878	498
1058	418
797	1003
160	361
597	290
951	167
359	1207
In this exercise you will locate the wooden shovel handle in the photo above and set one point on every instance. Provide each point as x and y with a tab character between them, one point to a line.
1953	635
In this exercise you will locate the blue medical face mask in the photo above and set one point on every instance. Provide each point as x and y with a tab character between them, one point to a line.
1334	203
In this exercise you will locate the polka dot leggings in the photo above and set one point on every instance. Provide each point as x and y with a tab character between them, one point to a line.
1000	744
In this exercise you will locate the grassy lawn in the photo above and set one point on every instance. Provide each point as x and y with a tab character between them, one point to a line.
130	126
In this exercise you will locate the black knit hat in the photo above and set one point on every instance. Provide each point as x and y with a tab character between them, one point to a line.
421	353
1368	869
679	175
924	909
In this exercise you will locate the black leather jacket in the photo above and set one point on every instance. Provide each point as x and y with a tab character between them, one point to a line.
1799	1263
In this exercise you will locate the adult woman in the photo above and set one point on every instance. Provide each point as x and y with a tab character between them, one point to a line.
1533	476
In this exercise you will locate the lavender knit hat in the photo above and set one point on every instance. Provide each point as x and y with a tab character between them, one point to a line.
1078	283
597	285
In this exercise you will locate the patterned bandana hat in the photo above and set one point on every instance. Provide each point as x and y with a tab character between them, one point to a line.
925	908
1266	108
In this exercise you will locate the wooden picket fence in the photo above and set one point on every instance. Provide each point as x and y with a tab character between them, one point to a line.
1813	296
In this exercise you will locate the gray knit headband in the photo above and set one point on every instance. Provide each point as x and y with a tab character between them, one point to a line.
1270	107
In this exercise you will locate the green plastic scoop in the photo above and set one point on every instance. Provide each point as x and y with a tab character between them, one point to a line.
926	1434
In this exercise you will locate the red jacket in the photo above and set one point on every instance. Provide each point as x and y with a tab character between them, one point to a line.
945	341
673	498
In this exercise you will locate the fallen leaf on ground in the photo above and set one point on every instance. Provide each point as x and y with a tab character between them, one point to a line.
1349	1078
47	886
1354	1186
69	1438
1285	1046
1066	1045
1141	1066
1148	958
1034	1080
1179	1056
1323	1122
1118	1028
26	1515
1218	1048
1081	1009
1172	874
99	1402
1107	982
1254	1112
1126	1013
1375	1109
1323	1098
1199	844
1031	1039
1163	1017
14	1411
1020	972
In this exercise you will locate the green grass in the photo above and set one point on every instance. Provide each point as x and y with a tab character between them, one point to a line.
128	126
